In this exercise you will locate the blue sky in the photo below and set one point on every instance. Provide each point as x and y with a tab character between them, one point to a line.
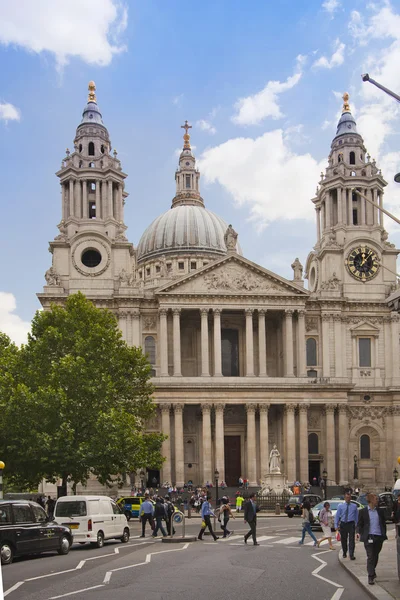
261	84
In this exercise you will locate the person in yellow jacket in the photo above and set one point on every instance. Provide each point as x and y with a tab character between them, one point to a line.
239	502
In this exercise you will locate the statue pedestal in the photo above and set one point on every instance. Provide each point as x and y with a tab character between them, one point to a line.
274	482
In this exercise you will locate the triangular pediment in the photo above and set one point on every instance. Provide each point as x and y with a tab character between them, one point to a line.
233	275
364	327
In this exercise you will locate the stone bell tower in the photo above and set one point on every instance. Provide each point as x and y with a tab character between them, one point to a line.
91	248
352	257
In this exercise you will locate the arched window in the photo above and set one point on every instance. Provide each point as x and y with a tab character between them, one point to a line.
340	157
352	158
91	149
150	351
91	165
102	148
365	446
80	147
311	352
313	446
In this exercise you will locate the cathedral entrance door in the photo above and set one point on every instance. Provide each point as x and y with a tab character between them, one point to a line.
232	459
314	470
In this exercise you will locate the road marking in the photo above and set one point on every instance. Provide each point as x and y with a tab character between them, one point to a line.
322	566
264	538
147	560
14	587
289	540
337	594
94	587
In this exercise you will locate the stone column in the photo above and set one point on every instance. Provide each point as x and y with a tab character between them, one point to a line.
121	201
303	441
71	198
349	207
104	206
264	442
220	441
122	324
376	213
64	204
205	367
179	455
163	342
166	445
326	370
85	207
301	344
290	443
330	442
99	214
381	214
339	205
78	199
362	211
289	343
328	210
177	341
110	199
251	444
395	347
217	343
136	329
207	472
262	349
337	324
249	343
323	224
343	445
318	213
129	328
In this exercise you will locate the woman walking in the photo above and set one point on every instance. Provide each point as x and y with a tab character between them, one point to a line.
224	515
326	520
307	523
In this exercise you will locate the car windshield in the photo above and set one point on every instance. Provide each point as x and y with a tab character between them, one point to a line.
72	508
334	504
295	500
362	500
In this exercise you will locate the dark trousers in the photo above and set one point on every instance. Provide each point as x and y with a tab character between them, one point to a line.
224	527
147	517
252	524
372	551
159	526
348	536
207	521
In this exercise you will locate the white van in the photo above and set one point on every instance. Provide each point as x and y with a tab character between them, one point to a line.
92	519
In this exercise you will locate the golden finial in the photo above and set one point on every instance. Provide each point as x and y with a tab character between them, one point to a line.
92	92
346	105
186	136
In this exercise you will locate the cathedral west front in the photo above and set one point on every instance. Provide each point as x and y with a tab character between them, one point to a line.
241	357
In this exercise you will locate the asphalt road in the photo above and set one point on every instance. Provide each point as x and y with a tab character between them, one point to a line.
278	569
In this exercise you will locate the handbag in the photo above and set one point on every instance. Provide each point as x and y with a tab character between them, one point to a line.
203	524
338	536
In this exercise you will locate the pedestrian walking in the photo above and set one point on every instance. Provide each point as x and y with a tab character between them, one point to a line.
346	520
206	514
146	513
250	517
225	514
326	520
372	531
50	505
169	511
307	523
239	502
159	515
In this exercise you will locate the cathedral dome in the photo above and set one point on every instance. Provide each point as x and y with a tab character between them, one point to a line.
183	228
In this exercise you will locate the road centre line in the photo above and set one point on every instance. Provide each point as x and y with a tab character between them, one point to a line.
14	587
94	587
322	566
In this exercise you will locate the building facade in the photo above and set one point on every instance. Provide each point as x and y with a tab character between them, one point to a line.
241	357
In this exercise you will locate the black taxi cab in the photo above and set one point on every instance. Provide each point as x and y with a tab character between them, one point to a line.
25	529
295	503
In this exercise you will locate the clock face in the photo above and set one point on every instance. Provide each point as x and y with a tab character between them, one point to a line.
362	263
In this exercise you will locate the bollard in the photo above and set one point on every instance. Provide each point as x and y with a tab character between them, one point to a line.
277	509
189	512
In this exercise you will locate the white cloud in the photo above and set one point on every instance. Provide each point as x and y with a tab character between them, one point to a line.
336	59
11	323
8	112
177	100
206	126
254	109
265	174
331	6
89	30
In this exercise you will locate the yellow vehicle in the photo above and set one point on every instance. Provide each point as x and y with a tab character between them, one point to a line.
130	505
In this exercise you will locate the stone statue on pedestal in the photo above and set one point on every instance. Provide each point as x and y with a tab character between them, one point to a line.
274	460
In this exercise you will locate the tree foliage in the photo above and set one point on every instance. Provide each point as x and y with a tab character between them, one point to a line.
75	399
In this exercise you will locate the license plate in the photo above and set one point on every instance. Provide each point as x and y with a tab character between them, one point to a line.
74	526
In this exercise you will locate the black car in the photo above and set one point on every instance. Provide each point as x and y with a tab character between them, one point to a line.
25	529
295	503
385	501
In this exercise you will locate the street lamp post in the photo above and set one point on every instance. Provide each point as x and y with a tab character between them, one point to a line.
395	474
355	467
325	478
2	465
142	476
216	475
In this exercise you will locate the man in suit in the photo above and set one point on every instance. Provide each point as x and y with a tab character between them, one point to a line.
250	516
372	531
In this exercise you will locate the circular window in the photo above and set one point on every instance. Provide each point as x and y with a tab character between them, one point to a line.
187	163
91	258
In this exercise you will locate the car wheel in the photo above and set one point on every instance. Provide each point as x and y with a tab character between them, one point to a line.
128	515
6	553
100	540
290	515
125	537
64	545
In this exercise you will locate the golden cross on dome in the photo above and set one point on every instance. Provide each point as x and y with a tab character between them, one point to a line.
186	126
92	92
346	105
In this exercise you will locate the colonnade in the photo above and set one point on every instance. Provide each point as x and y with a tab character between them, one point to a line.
295	442
288	327
107	196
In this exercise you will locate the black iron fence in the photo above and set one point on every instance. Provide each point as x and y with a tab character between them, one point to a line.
270	501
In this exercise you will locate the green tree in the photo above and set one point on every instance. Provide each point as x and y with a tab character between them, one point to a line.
78	400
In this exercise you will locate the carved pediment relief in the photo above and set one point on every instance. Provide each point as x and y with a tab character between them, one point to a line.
364	328
234	276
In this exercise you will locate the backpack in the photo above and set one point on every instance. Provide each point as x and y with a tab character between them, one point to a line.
311	517
169	509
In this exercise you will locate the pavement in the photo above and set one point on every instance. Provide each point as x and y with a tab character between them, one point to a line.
387	584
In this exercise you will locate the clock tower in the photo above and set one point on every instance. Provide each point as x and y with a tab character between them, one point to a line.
352	257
